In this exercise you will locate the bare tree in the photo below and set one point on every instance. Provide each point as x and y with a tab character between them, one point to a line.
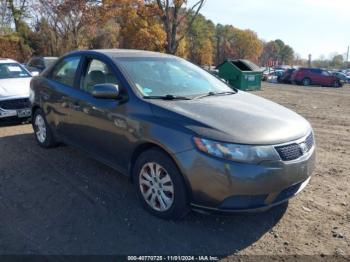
172	13
18	10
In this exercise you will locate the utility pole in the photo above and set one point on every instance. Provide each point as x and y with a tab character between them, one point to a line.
347	55
309	62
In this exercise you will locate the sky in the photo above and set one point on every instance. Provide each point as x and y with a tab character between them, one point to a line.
316	27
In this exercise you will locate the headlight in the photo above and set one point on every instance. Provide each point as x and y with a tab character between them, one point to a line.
236	152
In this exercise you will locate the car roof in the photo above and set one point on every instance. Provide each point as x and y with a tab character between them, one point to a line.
116	53
7	60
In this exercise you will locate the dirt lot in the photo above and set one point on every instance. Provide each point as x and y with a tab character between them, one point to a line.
60	201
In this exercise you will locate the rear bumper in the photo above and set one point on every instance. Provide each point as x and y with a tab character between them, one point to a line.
227	186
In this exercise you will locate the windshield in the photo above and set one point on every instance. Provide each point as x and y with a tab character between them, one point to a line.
12	70
170	76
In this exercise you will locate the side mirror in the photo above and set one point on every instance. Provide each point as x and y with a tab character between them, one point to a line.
35	73
107	91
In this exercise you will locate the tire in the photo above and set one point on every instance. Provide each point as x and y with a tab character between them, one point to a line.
336	84
170	196
42	130
306	82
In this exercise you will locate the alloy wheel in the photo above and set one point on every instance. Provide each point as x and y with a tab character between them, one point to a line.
40	128
156	186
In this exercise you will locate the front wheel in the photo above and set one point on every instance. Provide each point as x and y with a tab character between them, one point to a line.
159	185
306	82
42	130
336	84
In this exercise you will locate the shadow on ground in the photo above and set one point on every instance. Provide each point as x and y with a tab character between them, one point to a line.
60	201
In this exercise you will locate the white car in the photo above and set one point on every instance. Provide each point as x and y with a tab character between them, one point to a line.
14	91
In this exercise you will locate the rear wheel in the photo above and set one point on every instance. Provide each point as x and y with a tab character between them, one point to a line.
306	81
159	185
42	130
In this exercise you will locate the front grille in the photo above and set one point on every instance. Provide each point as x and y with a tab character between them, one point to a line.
289	152
309	141
20	103
294	151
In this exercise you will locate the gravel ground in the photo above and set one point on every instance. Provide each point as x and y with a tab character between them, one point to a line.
60	201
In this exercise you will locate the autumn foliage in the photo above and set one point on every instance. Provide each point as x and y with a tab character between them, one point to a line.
54	27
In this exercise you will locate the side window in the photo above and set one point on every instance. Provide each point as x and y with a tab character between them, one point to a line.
325	73
64	72
30	63
35	62
97	72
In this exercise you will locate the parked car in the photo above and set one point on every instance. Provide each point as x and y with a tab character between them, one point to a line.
14	91
285	78
266	74
39	64
184	137
314	76
342	77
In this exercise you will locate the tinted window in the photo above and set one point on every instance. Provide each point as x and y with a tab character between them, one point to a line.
316	71
64	71
325	73
97	72
49	61
36	62
12	70
30	63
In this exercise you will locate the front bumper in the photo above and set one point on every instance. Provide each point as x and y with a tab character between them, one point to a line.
13	113
4	113
228	186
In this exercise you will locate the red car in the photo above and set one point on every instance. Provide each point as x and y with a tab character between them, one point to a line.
314	76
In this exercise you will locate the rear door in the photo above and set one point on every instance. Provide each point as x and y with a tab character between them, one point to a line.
57	92
327	78
316	77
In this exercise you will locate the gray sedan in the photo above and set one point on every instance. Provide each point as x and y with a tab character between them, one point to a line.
185	138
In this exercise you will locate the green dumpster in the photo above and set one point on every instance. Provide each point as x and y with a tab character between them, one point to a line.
241	74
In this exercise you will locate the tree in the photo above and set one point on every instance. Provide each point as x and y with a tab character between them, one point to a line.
278	51
223	34
337	61
246	45
140	30
286	55
18	11
201	41
270	51
73	23
5	18
172	16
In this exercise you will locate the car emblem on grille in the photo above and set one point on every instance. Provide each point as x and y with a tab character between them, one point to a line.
303	147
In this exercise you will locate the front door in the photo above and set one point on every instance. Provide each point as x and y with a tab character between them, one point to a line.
101	124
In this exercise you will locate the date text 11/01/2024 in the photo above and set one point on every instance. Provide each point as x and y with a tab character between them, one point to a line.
173	258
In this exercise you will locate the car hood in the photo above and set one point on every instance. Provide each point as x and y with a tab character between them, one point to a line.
239	118
16	87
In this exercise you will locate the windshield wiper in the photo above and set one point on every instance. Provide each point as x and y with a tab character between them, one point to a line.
216	94
168	97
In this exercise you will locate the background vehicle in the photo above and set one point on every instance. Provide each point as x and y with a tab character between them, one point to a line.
266	73
343	77
39	64
14	91
314	76
285	78
154	117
